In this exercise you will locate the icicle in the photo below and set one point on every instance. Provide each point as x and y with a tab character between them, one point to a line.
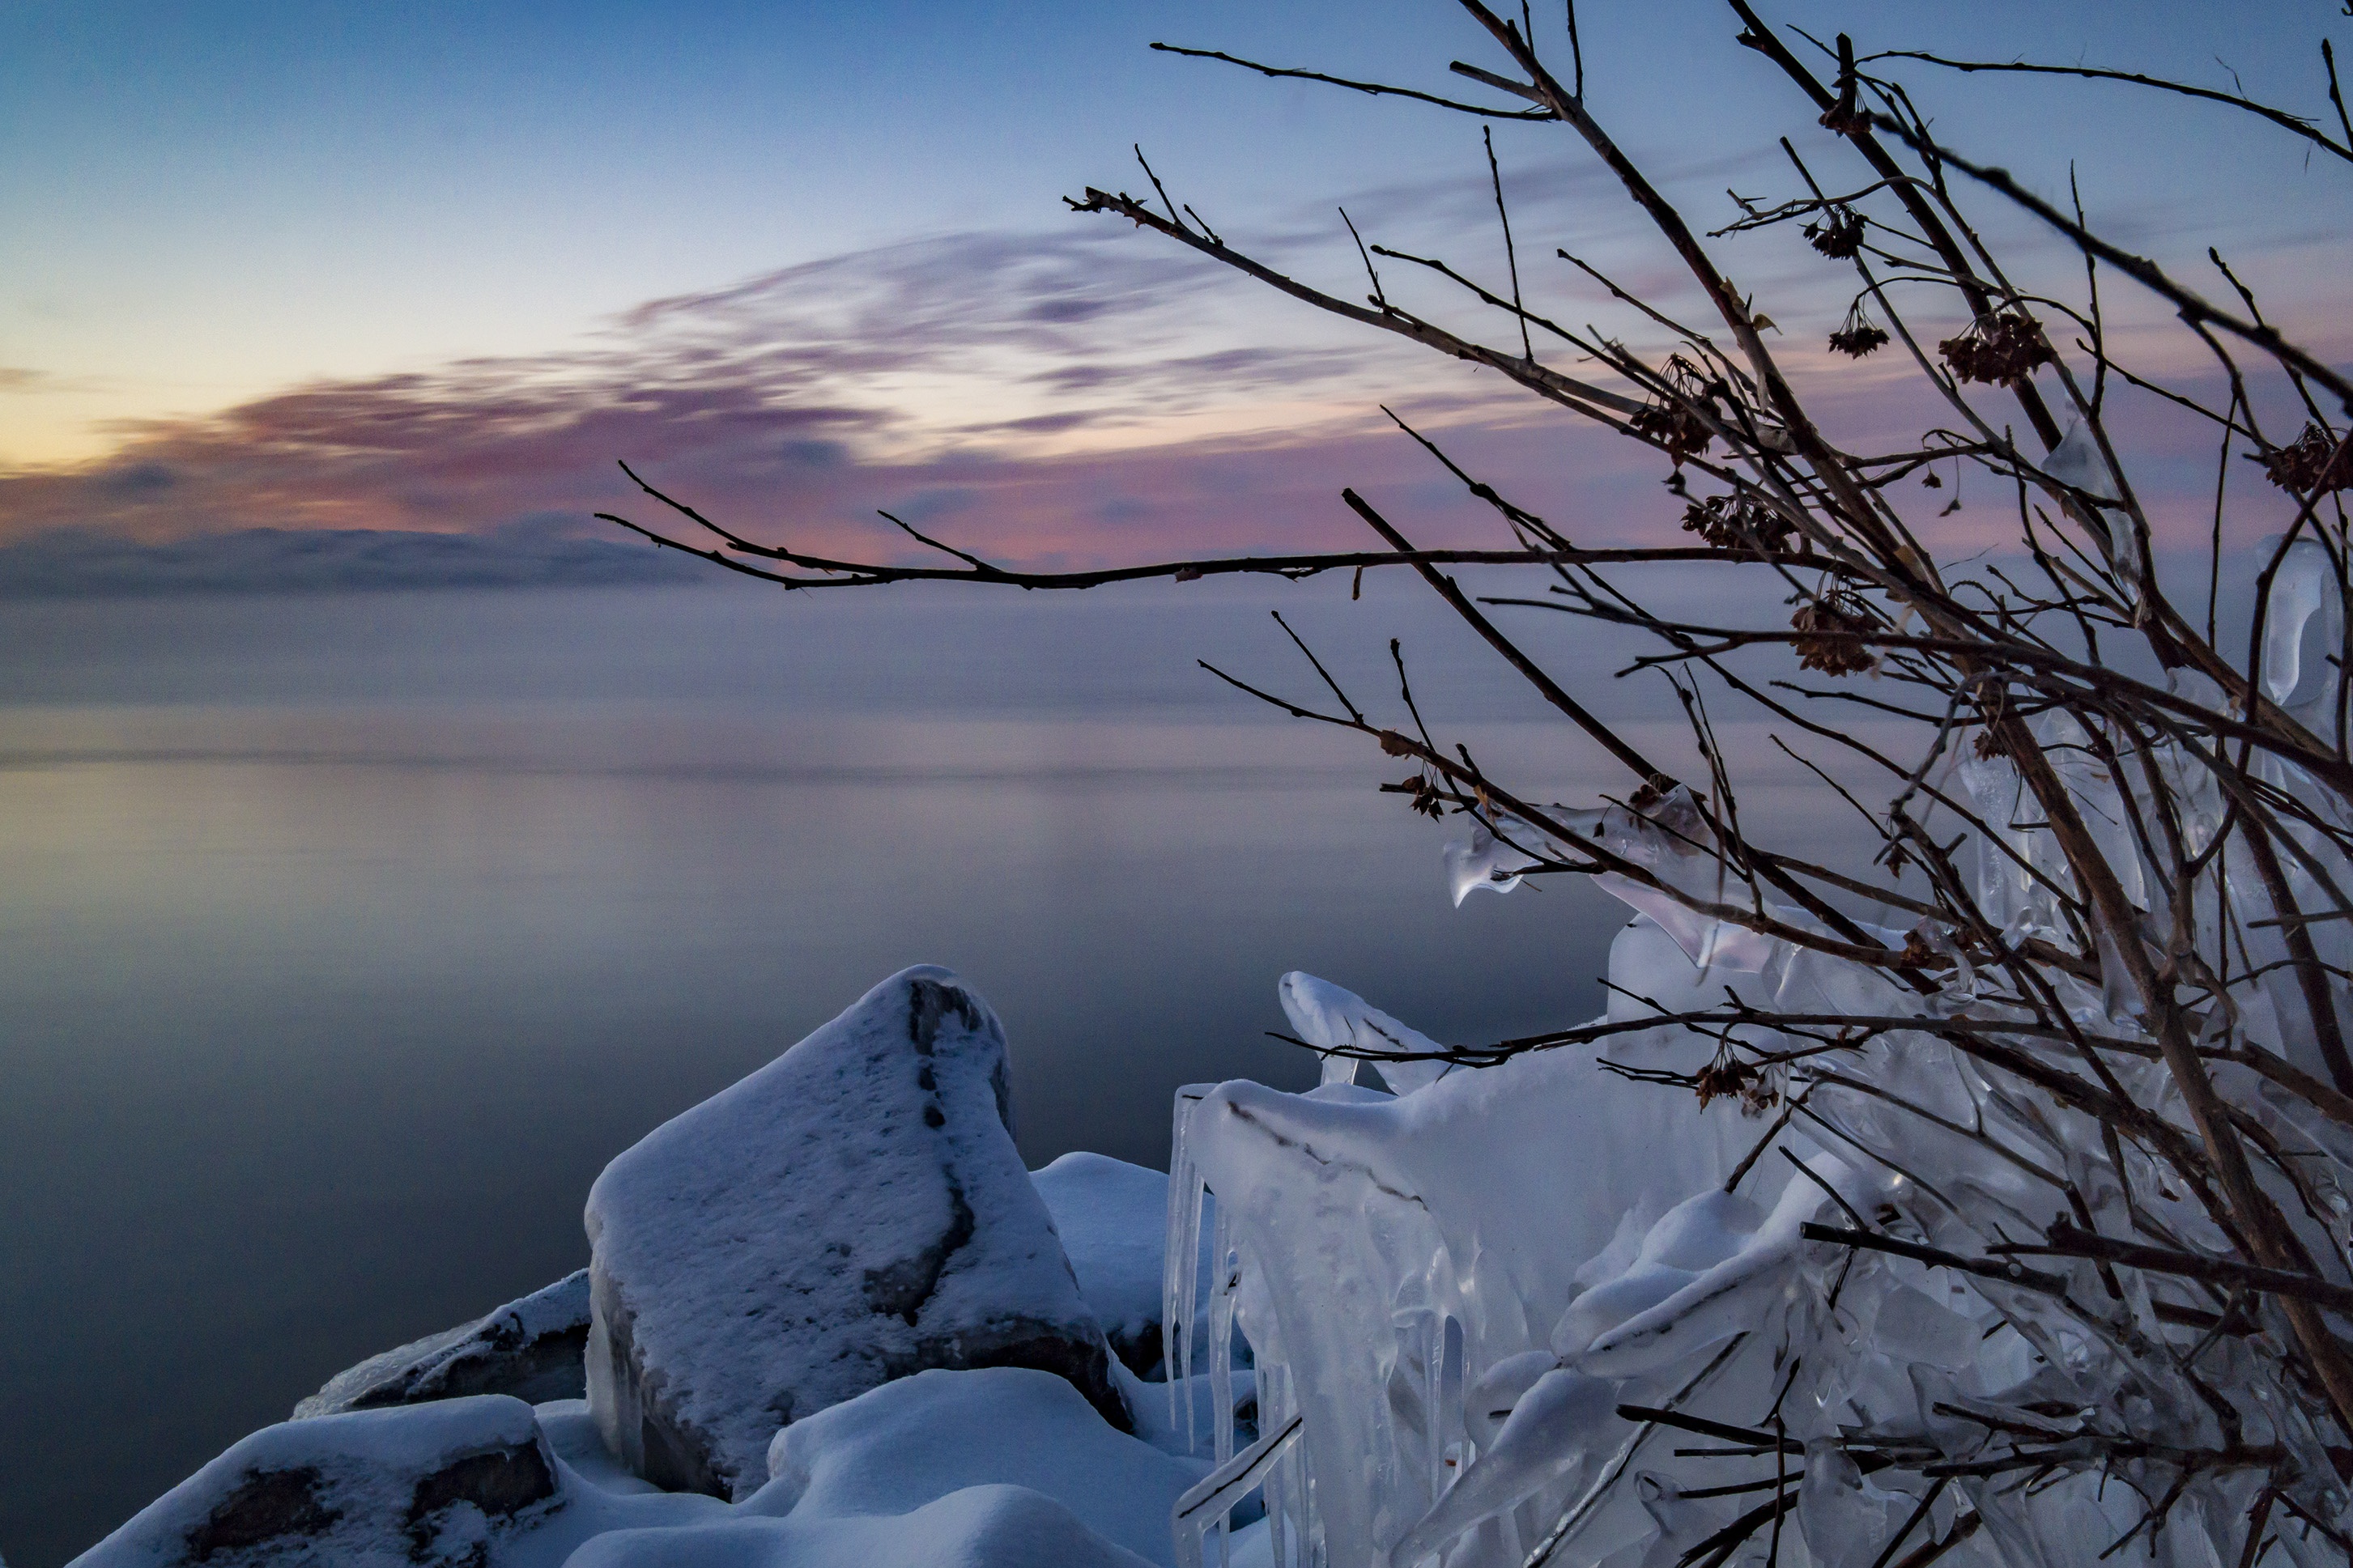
2077	461
1181	1270
2303	588
1270	1416
1222	1284
1487	861
1221	1334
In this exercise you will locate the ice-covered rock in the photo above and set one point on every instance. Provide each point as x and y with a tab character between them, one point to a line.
531	1349
853	1213
445	1482
903	1446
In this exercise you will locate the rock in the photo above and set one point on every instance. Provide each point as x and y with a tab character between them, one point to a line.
531	1349
903	1446
853	1213
428	1484
1113	1219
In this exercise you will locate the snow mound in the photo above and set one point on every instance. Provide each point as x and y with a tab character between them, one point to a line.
531	1349
979	1527
853	1213
909	1443
1113	1219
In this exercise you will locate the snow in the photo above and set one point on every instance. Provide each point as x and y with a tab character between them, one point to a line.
850	1212
529	1348
1112	1219
979	1527
909	1443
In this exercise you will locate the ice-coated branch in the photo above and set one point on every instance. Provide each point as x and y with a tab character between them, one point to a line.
2072	988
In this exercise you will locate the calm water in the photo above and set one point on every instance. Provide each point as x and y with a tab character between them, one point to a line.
343	941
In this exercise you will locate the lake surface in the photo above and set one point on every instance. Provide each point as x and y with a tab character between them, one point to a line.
342	940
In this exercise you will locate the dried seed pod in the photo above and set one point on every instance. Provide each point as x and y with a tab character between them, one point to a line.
1857	341
1424	796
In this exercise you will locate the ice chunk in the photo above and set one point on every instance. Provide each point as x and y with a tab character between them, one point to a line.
1732	1296
2304	598
1553	1432
2077	461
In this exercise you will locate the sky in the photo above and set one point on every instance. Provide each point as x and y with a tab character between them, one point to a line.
275	273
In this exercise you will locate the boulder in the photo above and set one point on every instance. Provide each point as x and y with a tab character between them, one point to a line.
531	1349
443	1483
853	1213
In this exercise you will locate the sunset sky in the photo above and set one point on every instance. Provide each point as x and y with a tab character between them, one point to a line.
433	267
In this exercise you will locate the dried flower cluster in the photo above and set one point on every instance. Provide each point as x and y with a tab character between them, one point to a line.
2002	349
1737	523
2314	461
1833	636
1838	234
1675	426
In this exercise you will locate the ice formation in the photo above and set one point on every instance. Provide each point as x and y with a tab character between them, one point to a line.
1518	1313
1333	1020
1488	1313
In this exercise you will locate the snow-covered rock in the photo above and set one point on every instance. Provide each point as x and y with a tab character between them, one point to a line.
1113	1219
907	1444
531	1349
853	1213
447	1483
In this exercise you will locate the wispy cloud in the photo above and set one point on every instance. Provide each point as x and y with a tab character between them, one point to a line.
1071	397
1035	386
